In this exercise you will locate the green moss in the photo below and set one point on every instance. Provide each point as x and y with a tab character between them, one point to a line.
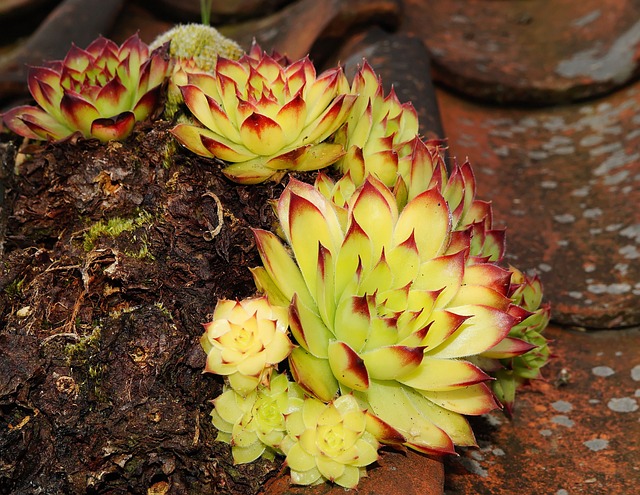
14	289
84	346
113	228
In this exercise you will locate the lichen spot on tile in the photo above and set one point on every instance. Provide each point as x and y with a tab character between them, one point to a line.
473	466
562	406
623	404
564	218
563	420
635	373
603	371
562	491
545	432
597	444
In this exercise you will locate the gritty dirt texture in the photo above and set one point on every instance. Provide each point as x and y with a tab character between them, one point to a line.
112	258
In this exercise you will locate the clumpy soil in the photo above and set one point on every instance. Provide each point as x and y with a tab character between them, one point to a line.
113	255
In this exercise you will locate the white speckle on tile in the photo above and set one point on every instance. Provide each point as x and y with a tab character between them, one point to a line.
615	179
538	155
635	373
498	452
589	267
615	289
605	149
502	151
619	288
637	393
592	213
618	353
597	288
632	232
563	420
581	192
564	150
562	406
591	140
603	371
493	419
562	491
595	231
563	243
597	444
473	466
623	268
613	227
630	252
623	404
544	267
594	401
616	160
575	294
545	432
582	22
564	218
477	455
548	184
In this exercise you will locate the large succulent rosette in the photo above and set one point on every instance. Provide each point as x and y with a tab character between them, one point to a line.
264	117
385	307
99	92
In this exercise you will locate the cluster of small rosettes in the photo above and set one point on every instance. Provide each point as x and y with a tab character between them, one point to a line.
382	291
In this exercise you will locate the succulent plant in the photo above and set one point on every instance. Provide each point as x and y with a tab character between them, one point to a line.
381	308
245	340
520	357
265	118
254	424
421	168
329	442
377	132
99	92
194	48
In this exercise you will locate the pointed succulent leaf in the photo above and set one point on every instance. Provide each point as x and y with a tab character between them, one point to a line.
115	128
428	218
484	328
308	329
509	347
472	400
313	374
281	268
392	362
347	366
443	374
386	399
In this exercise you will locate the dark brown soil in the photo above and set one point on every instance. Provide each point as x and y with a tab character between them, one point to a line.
112	258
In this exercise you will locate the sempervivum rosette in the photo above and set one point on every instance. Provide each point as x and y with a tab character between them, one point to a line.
265	118
99	92
378	131
381	308
245	340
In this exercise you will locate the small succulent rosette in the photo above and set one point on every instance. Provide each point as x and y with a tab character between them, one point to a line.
255	424
99	92
245	340
329	442
265	118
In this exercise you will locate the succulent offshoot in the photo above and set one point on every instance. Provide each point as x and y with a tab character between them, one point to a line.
265	118
99	92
